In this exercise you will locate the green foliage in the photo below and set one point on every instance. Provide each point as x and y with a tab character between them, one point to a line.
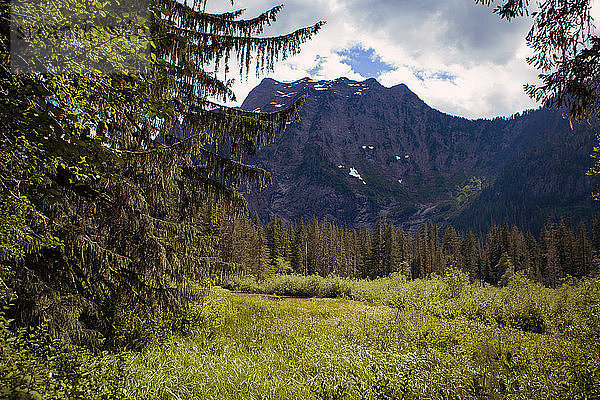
571	310
35	365
576	310
505	264
23	229
293	285
115	156
255	348
428	342
324	248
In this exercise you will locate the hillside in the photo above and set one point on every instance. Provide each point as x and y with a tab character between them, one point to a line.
362	150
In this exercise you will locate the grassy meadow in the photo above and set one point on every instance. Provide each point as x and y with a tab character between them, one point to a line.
441	338
389	338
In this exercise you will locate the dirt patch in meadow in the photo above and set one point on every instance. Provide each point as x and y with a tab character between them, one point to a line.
267	296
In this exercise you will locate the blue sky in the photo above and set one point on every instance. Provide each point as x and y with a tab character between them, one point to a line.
364	61
456	55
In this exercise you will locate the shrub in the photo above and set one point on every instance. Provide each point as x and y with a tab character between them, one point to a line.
35	365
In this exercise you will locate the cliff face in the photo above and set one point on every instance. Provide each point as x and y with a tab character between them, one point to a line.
362	150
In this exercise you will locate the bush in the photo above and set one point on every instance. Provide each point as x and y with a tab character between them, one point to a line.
34	365
572	309
576	310
246	284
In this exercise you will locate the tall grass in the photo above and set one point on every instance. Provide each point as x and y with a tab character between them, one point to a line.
571	309
439	338
253	348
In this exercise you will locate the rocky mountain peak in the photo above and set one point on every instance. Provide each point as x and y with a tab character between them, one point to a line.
271	95
361	150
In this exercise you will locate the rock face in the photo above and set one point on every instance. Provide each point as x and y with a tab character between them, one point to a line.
361	150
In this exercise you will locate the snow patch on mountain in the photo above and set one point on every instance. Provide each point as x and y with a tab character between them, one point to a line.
353	172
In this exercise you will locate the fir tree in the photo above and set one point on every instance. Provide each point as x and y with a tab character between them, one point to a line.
549	242
300	249
506	267
391	256
376	252
125	163
471	254
582	259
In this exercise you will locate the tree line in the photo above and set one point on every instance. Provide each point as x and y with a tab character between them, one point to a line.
321	247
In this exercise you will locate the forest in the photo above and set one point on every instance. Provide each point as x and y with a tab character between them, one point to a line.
130	268
320	247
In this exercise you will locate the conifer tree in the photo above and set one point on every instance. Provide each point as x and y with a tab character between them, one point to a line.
493	252
257	249
313	247
290	231
582	260
391	256
300	249
506	268
273	236
534	250
471	254
403	244
375	255
125	162
434	256
419	257
364	249
596	233
353	254
553	271
451	247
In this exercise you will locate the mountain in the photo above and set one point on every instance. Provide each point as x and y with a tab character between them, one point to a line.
361	150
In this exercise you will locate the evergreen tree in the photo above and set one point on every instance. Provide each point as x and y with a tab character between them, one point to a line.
313	247
506	267
566	246
581	259
262	268
375	257
273	237
434	256
403	244
300	250
419	255
363	254
451	248
493	252
553	271
535	270
119	167
352	268
596	233
471	254
290	231
391	255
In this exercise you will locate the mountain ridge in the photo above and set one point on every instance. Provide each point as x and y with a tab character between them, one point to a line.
362	150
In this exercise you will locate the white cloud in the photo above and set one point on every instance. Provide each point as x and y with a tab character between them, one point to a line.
431	38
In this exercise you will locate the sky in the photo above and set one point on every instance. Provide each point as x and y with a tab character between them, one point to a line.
454	54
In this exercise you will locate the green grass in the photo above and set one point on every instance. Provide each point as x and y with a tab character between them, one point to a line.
257	348
572	309
389	338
